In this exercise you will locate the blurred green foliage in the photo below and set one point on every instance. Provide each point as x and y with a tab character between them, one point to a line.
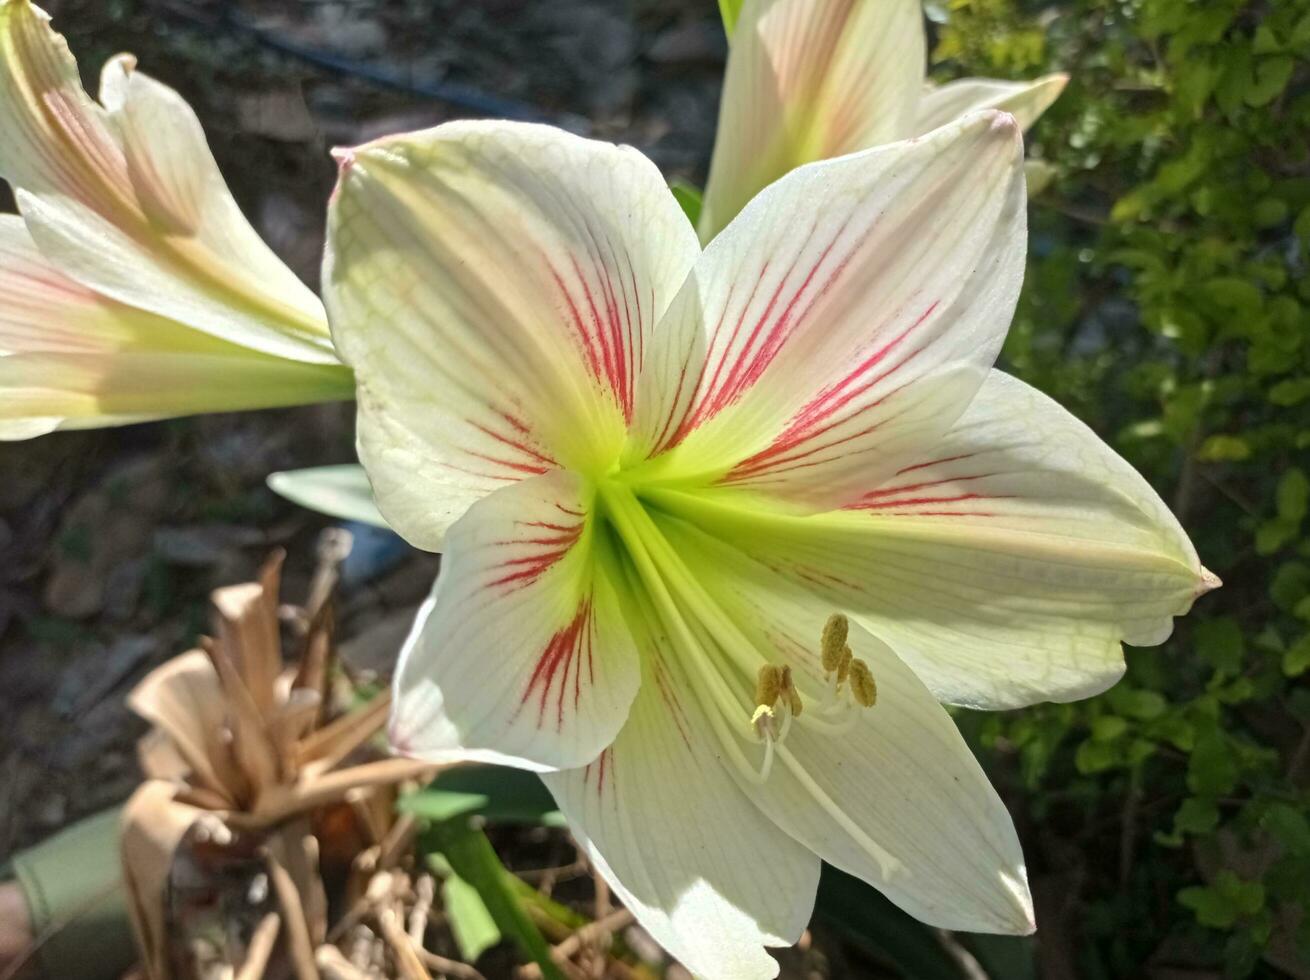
1167	305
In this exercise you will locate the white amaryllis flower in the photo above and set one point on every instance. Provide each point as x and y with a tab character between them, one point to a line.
813	79
132	287
661	477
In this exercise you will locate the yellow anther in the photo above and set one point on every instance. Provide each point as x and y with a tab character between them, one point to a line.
768	685
844	665
863	686
833	641
792	695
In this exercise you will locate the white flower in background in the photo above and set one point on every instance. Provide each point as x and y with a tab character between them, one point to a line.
132	287
814	79
668	481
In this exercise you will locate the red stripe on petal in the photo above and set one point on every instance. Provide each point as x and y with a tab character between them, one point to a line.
524	569
561	657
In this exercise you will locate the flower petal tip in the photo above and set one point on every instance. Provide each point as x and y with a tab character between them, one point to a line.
1023	918
124	60
400	741
1208	583
1004	122
345	157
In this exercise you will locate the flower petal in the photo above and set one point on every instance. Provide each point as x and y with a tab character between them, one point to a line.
521	656
896	799
127	199
709	876
843	320
1006	567
71	358
494	286
808	80
41	392
1026	101
45	311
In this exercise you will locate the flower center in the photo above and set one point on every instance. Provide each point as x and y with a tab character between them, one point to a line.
749	695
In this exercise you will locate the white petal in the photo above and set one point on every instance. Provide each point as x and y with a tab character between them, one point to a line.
842	321
521	656
898	799
71	358
809	80
1007	565
706	874
44	310
494	286
128	201
1026	101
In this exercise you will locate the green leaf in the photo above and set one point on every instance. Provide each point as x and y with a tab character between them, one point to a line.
1296	658
1293	495
1212	768
1272	535
1222	903
1271	77
1294	390
1093	757
1196	816
1291	584
1224	449
1221	642
1136	703
474	928
338	491
473	859
688	198
1290	826
498	794
1108	727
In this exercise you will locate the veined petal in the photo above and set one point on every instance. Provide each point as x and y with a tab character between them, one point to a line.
809	80
842	321
494	285
1026	101
41	392
889	793
127	199
708	875
1004	567
42	310
521	656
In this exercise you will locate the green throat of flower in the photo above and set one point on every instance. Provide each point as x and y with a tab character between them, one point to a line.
751	697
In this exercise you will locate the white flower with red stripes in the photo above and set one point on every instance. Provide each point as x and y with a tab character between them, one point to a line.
723	527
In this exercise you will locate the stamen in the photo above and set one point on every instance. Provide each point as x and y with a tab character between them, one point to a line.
794	703
833	641
863	686
777	702
844	665
768	685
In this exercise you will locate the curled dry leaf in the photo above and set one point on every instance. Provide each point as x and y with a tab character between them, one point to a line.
256	784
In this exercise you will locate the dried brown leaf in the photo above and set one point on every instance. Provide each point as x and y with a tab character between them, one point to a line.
183	698
154	826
